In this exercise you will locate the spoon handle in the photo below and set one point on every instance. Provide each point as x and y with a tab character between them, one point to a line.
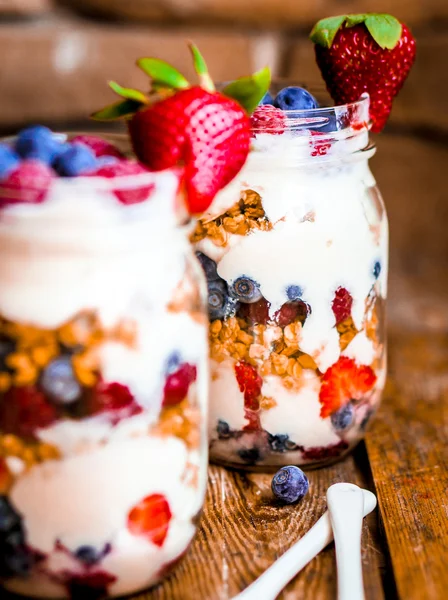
278	575
346	505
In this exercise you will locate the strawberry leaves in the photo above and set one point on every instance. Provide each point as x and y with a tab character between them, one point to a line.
162	74
201	69
384	29
248	91
119	110
128	93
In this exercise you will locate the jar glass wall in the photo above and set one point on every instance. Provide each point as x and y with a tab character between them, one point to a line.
103	377
296	252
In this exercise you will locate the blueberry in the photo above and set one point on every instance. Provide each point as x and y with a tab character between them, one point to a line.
290	484
377	269
173	362
58	381
104	161
267	99
220	304
88	555
8	516
9	160
16	557
38	142
281	443
208	265
294	292
246	290
295	98
75	160
223	430
343	417
249	455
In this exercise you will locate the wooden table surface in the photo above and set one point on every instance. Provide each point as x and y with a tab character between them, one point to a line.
404	459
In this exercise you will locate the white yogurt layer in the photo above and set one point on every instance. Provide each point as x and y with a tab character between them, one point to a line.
327	233
85	500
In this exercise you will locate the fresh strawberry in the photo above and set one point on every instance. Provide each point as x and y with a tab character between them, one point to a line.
150	518
99	146
342	304
23	410
205	131
176	124
178	383
268	119
364	53
342	382
28	184
131	194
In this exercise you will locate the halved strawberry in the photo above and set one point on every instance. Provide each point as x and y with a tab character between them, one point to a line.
342	382
176	124
150	518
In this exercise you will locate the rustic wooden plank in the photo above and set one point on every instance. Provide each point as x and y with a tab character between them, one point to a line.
244	530
407	449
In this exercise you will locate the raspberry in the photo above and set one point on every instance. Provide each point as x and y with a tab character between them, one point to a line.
28	184
25	409
324	452
268	119
150	518
249	382
342	304
133	194
178	383
256	313
290	312
88	586
108	397
98	146
342	382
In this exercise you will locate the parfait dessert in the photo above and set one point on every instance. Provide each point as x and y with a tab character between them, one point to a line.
295	251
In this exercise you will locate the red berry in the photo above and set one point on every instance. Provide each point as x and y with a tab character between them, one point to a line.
99	146
290	312
268	119
150	518
28	184
108	397
250	383
87	585
25	409
324	452
342	304
255	312
320	143
177	384
6	478
135	192
353	62
207	132
342	382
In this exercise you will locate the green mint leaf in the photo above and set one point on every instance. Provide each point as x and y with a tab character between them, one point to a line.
128	93
162	73
248	91
385	30
324	31
125	108
200	66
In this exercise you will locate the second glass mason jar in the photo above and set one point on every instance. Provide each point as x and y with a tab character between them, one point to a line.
296	253
103	377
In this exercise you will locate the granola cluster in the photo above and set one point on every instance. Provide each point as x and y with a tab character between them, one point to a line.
182	421
245	215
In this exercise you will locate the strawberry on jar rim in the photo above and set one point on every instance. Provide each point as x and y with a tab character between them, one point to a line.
370	53
193	126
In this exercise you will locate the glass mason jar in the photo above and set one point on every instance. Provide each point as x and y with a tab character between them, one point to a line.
103	377
296	253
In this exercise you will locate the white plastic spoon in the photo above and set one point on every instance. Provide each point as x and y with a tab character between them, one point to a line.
345	503
273	580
